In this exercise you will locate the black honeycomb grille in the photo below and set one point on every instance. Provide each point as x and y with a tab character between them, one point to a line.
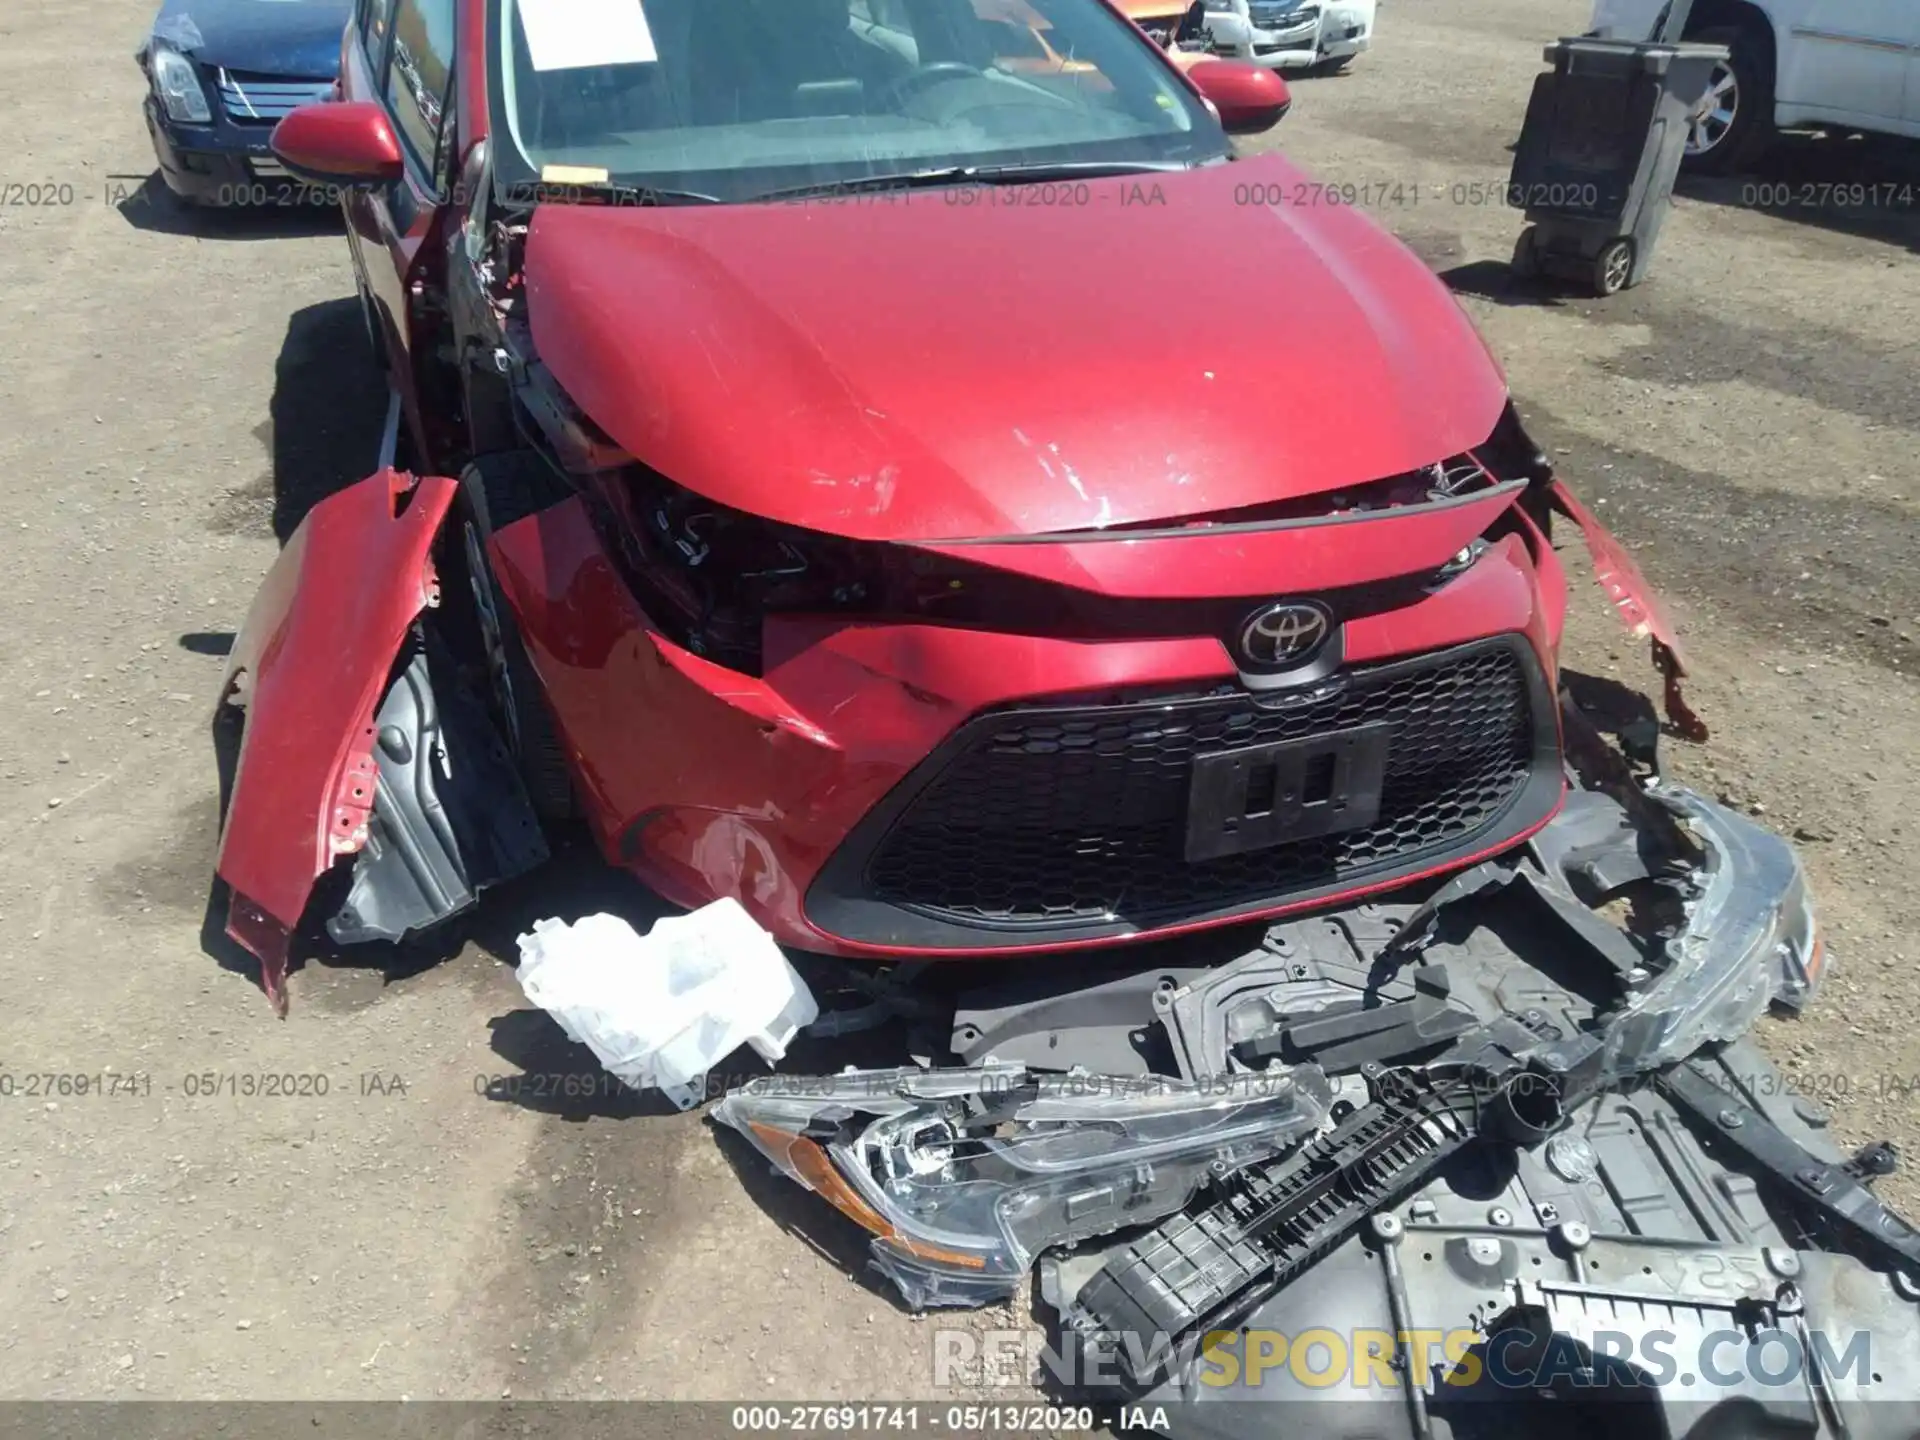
1054	818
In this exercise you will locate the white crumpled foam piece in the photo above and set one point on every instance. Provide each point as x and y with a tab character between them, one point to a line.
661	1009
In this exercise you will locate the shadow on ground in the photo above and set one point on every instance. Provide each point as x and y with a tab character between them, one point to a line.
328	407
1610	704
1494	280
573	882
207	642
795	1209
323	426
804	1215
1867	186
148	205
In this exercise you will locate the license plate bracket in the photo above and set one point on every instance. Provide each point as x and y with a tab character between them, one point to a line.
1262	795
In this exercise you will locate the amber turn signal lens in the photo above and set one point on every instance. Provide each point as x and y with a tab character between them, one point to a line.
816	1170
1816	958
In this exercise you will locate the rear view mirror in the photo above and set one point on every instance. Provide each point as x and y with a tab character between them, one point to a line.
339	143
1248	98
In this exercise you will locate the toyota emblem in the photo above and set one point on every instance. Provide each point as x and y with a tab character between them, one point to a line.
1280	635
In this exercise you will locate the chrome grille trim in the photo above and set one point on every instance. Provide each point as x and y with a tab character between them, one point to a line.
251	99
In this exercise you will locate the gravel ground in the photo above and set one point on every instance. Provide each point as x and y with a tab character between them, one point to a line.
178	388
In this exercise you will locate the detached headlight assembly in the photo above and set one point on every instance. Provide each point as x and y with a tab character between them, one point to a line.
1750	939
178	85
962	1177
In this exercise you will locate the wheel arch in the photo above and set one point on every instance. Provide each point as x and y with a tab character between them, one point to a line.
308	667
1740	14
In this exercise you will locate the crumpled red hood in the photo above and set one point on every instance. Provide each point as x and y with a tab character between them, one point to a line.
940	364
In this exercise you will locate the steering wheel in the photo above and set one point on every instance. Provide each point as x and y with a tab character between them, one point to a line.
924	76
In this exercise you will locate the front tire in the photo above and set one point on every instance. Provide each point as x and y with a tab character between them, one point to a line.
1734	122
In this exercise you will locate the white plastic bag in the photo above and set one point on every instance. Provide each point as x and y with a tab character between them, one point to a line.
660	1010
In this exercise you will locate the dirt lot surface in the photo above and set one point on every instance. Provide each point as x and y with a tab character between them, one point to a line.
178	388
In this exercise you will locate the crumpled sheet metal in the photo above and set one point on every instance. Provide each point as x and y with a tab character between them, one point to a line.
178	31
308	668
1639	607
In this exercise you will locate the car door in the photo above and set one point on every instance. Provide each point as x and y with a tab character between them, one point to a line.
405	63
1846	59
362	72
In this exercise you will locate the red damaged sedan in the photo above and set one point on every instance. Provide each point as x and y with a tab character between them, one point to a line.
809	485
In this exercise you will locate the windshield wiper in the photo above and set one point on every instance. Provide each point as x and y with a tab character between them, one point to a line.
654	195
978	175
613	194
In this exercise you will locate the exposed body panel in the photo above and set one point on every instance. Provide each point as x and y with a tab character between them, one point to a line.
309	666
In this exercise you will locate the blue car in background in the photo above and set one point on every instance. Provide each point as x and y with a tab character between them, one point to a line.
219	74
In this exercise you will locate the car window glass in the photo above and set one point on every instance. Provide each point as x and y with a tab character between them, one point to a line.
1019	32
744	96
376	23
417	76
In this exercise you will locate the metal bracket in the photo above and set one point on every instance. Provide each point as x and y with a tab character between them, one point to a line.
1833	1192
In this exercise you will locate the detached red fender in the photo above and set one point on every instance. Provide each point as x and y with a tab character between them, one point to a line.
307	669
1640	609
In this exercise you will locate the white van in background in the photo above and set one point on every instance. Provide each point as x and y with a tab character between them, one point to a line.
1843	64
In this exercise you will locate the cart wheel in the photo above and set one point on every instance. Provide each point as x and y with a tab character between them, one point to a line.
1526	255
1613	267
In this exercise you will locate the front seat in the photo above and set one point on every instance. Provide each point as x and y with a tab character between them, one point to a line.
730	78
829	70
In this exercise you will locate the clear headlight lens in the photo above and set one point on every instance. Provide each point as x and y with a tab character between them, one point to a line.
1750	939
963	1176
178	86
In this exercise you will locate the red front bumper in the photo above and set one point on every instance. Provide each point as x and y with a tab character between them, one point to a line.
706	782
